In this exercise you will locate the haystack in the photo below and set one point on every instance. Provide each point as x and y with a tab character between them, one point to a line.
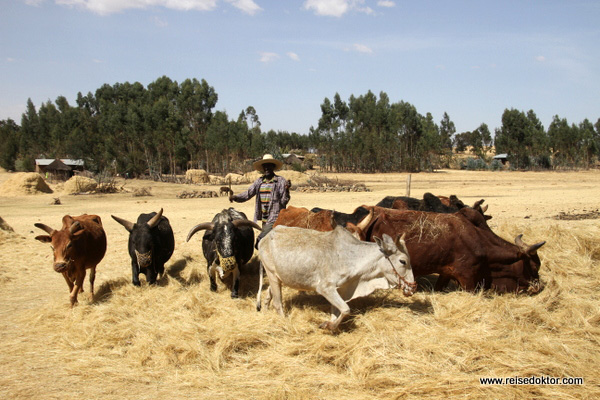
4	226
297	178
197	176
79	184
24	183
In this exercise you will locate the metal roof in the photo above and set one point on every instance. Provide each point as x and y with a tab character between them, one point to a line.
66	161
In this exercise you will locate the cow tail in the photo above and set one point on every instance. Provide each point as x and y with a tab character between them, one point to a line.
260	283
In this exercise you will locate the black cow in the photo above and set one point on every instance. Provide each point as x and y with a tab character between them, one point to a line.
342	218
430	203
227	244
151	245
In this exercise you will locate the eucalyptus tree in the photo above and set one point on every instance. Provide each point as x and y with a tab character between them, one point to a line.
520	136
9	144
196	101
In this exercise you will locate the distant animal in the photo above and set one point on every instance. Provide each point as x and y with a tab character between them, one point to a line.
151	245
225	191
227	244
334	264
79	245
461	247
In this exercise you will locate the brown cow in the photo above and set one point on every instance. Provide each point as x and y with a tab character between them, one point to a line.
79	245
301	217
323	220
455	247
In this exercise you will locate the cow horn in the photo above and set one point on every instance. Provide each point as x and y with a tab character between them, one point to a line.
128	225
525	248
362	225
45	228
238	223
478	203
154	221
205	225
484	208
519	242
75	226
533	248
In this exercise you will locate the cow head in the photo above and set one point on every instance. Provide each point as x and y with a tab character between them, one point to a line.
222	238
397	254
62	242
521	276
140	236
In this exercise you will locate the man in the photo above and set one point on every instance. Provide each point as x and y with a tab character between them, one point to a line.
272	193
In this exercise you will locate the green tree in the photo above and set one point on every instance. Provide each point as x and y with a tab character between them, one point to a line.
9	144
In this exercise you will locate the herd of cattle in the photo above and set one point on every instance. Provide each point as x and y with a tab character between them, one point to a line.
340	256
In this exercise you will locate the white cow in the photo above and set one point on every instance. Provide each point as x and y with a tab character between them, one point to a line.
335	264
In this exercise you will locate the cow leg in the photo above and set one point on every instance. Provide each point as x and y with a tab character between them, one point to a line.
336	301
135	273
92	279
69	283
235	285
442	282
76	287
268	298
212	275
151	275
275	294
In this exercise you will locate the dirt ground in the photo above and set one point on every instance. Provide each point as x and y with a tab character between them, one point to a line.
39	359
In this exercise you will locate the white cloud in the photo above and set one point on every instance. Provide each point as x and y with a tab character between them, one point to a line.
247	6
159	22
266	57
540	58
10	59
293	56
336	8
105	7
34	3
361	48
386	3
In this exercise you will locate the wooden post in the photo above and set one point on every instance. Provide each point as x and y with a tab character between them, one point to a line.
408	179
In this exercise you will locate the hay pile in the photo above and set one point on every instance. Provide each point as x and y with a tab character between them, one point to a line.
79	184
197	176
24	183
4	226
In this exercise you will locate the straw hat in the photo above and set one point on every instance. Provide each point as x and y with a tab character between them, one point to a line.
267	159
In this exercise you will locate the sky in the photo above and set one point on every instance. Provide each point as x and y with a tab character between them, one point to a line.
470	59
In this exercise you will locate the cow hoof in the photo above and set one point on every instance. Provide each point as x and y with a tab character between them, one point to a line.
213	288
327	325
235	296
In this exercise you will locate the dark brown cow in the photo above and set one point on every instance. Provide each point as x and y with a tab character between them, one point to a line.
453	246
79	245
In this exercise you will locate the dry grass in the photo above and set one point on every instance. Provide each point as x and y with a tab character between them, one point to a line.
179	340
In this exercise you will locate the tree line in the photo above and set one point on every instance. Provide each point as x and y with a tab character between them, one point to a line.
168	127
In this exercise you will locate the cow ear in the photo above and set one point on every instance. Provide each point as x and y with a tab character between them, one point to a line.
44	238
379	242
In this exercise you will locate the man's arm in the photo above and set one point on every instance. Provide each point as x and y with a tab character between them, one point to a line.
247	195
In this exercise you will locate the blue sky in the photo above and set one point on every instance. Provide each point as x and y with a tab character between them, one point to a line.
471	59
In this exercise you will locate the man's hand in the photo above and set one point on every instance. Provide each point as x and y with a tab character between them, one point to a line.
288	184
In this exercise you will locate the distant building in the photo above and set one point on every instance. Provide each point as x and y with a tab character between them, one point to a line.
503	158
62	168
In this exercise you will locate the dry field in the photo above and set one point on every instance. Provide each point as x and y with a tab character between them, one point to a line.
178	340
